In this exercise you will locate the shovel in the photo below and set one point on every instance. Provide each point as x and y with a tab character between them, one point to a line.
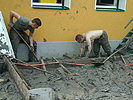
25	42
101	63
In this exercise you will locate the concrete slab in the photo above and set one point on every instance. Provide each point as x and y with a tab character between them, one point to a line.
57	49
23	52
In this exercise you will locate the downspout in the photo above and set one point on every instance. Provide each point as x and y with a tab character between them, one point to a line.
117	5
62	4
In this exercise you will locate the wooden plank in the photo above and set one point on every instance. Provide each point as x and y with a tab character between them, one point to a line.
17	70
66	56
62	66
123	59
19	82
43	66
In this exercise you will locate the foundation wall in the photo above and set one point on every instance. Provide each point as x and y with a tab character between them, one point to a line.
57	49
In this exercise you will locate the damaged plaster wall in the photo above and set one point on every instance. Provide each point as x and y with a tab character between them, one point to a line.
5	45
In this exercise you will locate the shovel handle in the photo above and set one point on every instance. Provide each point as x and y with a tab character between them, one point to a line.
114	53
25	42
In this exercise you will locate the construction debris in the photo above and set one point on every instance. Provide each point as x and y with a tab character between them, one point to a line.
43	66
65	68
113	80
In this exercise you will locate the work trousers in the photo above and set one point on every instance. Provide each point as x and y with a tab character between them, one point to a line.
15	40
103	41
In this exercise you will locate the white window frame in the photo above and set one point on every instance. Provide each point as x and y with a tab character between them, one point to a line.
109	4
120	6
66	4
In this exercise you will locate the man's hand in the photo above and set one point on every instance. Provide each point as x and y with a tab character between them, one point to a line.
11	24
31	48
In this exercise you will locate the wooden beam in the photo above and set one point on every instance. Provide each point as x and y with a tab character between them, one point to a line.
66	56
62	66
123	60
19	82
43	66
17	70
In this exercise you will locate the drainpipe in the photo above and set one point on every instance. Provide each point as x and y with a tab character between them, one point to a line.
117	5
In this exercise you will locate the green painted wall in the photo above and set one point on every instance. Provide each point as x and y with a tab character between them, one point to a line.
64	25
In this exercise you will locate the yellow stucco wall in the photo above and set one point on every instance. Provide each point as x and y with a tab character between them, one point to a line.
64	25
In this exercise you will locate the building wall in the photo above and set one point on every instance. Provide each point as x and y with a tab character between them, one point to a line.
64	25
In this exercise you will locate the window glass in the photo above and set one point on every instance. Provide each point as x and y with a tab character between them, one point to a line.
51	4
110	5
105	2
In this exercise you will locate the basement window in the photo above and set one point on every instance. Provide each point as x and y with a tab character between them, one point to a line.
110	5
51	4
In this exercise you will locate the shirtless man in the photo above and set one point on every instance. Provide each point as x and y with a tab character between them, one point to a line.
22	24
100	37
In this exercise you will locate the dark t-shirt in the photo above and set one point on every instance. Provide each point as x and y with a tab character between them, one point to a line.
22	24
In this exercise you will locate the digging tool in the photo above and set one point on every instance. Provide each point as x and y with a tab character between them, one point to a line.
97	64
26	85
101	63
25	42
65	68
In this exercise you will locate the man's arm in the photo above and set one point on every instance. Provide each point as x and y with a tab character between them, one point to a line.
31	42
31	39
89	47
13	14
81	49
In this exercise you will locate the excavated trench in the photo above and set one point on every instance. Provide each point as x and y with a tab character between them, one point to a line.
111	81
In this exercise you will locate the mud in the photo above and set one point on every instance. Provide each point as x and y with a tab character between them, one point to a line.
111	81
8	89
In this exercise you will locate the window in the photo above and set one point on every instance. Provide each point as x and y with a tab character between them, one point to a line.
51	4
110	5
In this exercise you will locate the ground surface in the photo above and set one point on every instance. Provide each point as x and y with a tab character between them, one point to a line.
111	81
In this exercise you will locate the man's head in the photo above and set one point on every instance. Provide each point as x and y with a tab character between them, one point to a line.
36	23
79	38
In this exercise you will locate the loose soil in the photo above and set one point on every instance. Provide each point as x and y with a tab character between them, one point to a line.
111	81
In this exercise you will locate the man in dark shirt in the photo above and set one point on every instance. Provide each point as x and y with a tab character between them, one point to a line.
22	24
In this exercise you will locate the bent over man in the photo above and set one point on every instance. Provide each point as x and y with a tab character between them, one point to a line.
100	37
22	24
